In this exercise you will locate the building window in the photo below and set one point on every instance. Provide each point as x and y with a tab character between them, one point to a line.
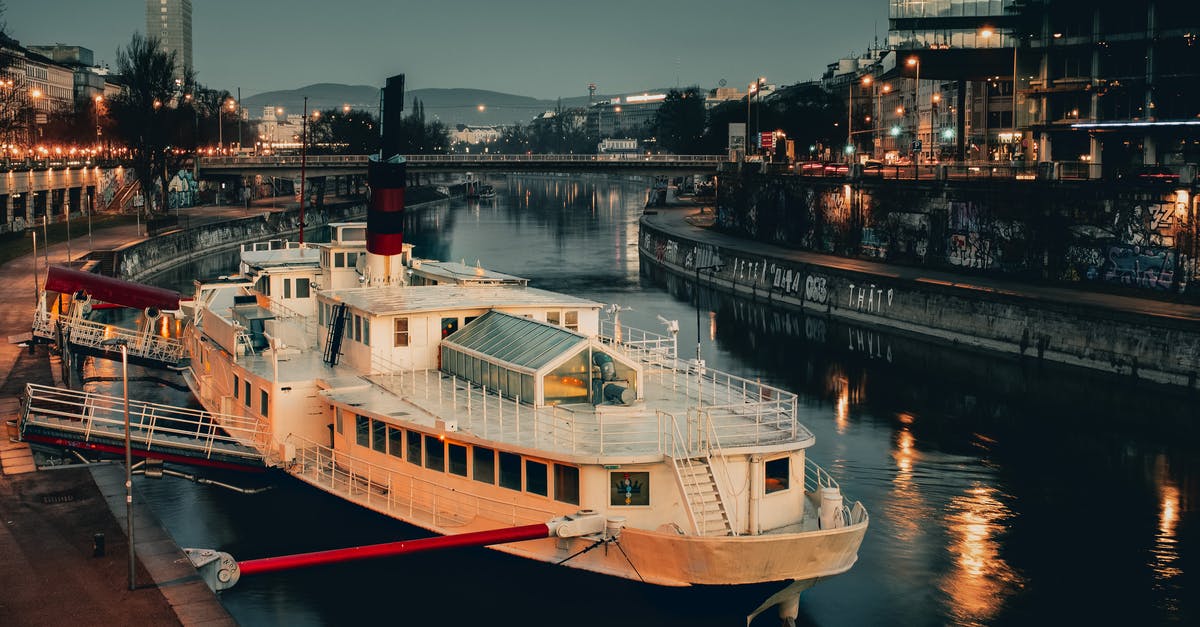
510	471
572	318
366	340
338	421
357	328
264	402
778	473
362	430
435	454
552	317
401	332
457	454
395	438
246	396
287	288
414	447
484	464
302	288
379	435
351	260
629	488
566	484
236	385
535	478
339	260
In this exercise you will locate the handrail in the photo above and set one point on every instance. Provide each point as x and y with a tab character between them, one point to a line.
93	334
318	160
402	494
675	437
714	444
816	478
156	425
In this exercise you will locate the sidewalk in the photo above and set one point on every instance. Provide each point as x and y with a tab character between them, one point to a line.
687	223
49	575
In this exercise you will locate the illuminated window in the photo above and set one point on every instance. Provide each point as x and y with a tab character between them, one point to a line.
778	473
629	488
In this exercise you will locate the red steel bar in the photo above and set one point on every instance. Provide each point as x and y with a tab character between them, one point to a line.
110	290
387	549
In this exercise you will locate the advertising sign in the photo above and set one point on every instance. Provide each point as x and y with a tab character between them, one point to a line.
737	136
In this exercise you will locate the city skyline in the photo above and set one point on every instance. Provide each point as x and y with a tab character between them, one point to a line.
516	47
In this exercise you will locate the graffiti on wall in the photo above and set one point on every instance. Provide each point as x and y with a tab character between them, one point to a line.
816	289
869	298
1136	248
1146	267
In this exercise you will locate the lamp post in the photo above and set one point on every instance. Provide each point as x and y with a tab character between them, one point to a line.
914	61
878	143
699	269
128	455
762	81
750	91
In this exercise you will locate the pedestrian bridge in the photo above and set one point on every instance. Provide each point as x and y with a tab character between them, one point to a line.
338	165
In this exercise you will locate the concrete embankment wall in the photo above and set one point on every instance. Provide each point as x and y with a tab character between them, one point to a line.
141	259
1151	348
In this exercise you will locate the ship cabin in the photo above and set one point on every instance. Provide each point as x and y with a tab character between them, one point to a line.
287	273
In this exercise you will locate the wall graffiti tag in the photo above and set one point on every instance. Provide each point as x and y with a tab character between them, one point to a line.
816	289
869	298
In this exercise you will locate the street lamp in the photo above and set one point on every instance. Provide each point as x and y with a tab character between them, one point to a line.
699	269
879	91
121	342
750	91
915	62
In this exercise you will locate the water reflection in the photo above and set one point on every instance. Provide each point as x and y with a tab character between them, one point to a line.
981	580
1166	562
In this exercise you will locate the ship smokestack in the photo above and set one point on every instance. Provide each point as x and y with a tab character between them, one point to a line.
386	177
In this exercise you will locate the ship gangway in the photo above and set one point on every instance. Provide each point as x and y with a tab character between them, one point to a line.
149	345
86	421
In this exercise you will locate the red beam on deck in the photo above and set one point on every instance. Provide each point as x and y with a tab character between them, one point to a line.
476	538
110	290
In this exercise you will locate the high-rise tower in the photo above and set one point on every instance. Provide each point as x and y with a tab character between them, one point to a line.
171	22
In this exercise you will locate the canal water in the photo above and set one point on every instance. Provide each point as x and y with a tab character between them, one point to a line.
1001	491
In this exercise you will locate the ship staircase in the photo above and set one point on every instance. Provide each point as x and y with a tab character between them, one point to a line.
148	345
698	461
89	422
337	329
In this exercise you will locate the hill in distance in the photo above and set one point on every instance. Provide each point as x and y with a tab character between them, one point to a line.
451	106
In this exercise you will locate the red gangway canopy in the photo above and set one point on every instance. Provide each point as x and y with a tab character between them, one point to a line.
110	290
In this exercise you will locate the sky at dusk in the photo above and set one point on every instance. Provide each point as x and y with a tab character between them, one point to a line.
527	47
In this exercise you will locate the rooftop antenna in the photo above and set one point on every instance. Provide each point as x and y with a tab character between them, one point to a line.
591	94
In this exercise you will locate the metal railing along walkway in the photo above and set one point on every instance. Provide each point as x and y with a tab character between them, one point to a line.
91	421
93	335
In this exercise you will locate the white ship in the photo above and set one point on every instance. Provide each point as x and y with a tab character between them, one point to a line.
459	399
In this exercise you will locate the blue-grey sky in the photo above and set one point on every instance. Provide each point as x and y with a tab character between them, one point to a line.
529	47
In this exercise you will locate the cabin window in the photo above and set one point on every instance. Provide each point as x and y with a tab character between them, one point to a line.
395	438
339	260
303	288
510	471
264	401
535	478
400	332
236	385
357	328
484	466
629	488
414	447
552	317
572	320
287	288
449	325
351	260
457	454
435	454
362	430
338	421
324	258
246	396
321	314
366	331
263	285
469	320
566	484
379	435
778	472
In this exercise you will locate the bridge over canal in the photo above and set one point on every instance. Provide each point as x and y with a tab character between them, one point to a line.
350	165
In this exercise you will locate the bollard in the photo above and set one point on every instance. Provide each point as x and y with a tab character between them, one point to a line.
98	545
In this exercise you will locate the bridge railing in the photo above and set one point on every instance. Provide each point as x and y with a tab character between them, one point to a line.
335	160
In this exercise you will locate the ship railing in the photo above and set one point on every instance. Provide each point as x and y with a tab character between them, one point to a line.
675	447
719	465
283	312
649	348
399	494
43	323
815	478
139	344
744	412
274	244
153	426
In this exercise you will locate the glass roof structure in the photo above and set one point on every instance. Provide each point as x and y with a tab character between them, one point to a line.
514	341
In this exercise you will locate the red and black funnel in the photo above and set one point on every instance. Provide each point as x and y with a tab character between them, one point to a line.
386	177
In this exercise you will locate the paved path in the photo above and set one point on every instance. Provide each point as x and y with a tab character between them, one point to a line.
687	223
